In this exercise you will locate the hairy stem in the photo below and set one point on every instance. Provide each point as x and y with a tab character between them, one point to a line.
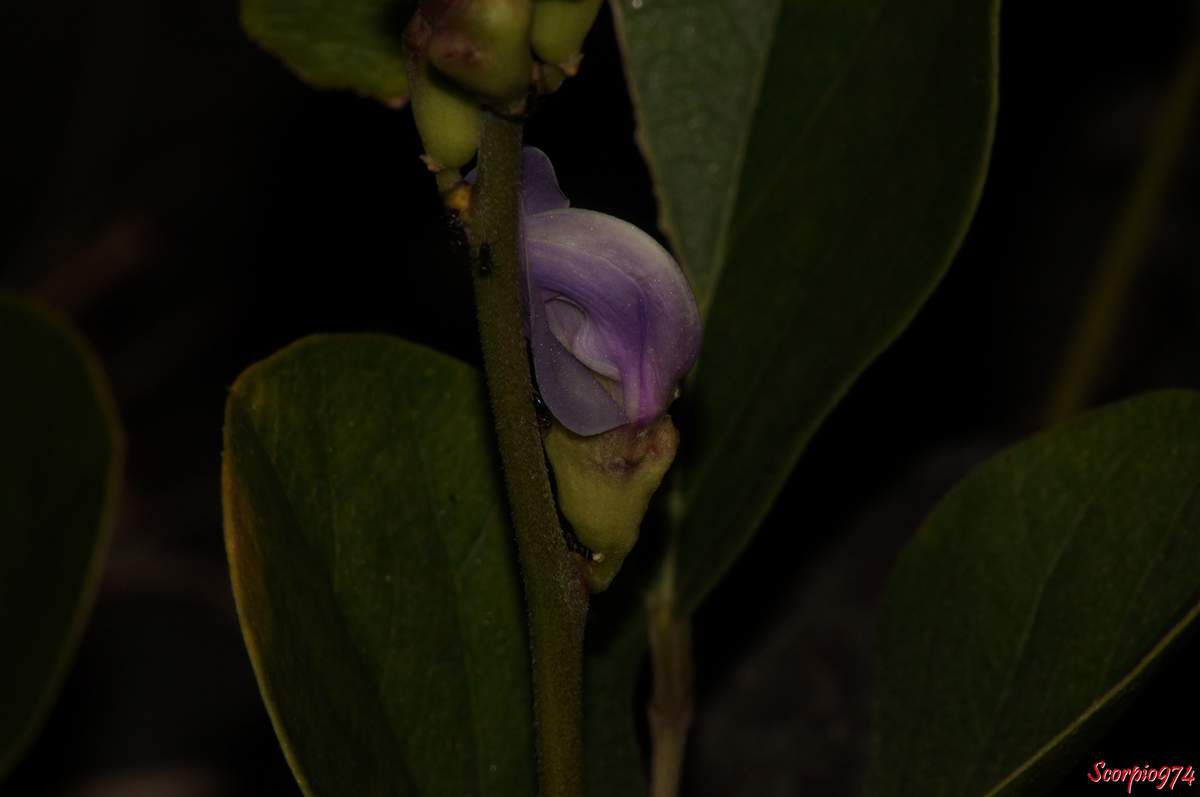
555	593
1126	248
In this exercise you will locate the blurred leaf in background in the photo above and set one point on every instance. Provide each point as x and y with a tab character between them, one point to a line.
349	44
61	459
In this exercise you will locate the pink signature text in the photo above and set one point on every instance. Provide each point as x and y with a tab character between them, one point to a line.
1163	777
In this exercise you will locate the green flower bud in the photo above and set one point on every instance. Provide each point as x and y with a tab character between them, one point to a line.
448	118
605	483
559	28
483	46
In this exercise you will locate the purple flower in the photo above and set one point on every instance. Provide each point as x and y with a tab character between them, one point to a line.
613	324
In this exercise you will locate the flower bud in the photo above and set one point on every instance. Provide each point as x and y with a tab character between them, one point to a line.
448	118
613	323
559	28
613	327
604	485
483	45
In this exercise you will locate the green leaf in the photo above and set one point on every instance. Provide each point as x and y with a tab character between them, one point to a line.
60	469
1036	597
845	143
817	163
336	44
374	572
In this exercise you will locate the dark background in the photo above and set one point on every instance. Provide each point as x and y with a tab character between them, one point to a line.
194	208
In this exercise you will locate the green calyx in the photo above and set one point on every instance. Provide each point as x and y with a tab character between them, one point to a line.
559	28
448	118
483	46
604	485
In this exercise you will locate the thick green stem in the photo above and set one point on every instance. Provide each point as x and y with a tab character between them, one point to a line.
1127	246
555	592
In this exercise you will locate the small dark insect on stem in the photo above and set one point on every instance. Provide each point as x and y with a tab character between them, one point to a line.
484	262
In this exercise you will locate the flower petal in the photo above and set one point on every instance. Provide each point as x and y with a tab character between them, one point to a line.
607	296
539	183
574	395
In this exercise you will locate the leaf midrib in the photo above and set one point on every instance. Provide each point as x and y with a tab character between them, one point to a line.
1100	703
1128	679
291	521
1035	613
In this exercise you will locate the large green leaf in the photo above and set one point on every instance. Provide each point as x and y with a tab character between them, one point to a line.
821	160
1034	599
817	163
336	44
61	454
374	572
696	69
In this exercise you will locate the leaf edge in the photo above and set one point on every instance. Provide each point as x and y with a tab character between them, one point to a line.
114	478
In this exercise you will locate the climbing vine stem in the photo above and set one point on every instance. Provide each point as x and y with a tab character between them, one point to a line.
555	594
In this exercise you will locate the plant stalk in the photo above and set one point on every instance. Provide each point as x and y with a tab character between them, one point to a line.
1126	250
671	701
555	592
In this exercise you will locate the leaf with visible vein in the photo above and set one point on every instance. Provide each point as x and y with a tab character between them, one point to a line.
374	571
817	163
857	166
1036	597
